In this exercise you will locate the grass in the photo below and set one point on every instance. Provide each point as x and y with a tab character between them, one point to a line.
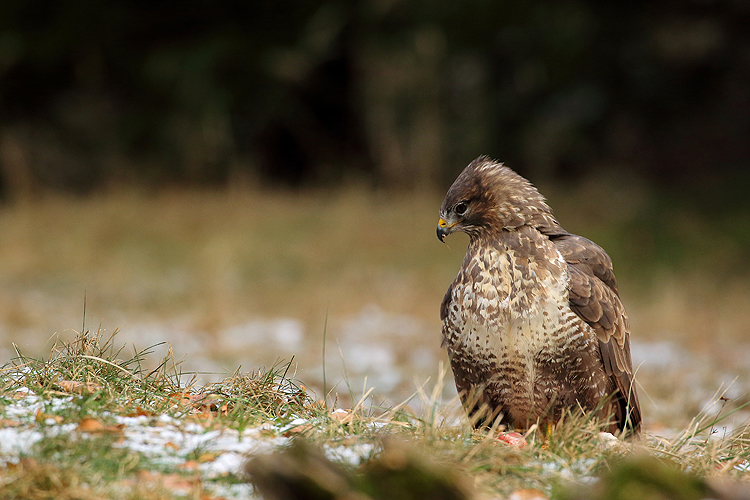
81	397
196	267
86	383
188	266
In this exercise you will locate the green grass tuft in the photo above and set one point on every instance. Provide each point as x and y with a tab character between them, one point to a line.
76	397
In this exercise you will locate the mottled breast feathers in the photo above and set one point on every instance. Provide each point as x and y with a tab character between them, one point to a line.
571	347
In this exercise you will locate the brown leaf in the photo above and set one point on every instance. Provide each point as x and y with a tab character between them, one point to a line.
24	463
297	429
76	387
41	417
90	425
140	412
209	405
180	398
190	465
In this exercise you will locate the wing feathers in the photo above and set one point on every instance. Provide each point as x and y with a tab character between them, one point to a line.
593	296
586	256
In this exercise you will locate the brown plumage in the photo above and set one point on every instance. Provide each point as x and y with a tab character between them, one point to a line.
533	322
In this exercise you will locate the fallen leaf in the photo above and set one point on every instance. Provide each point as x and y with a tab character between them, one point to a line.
190	465
297	429
171	445
180	398
42	417
90	425
24	463
208	405
206	457
140	412
76	387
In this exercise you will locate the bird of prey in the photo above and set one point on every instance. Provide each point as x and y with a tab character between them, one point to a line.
533	323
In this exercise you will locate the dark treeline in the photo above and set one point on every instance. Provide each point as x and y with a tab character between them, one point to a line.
392	92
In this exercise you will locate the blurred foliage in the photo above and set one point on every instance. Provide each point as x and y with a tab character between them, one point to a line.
644	478
302	471
392	92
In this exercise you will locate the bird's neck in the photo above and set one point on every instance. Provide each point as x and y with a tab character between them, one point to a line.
525	240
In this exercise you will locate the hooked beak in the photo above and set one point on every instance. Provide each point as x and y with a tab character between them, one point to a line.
444	229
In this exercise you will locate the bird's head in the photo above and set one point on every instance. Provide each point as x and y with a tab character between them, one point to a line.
488	197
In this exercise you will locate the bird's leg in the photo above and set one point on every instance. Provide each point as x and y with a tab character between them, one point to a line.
547	434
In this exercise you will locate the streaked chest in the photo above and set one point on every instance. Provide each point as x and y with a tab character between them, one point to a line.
508	301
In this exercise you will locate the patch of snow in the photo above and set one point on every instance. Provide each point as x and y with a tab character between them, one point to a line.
162	438
237	490
15	442
352	454
661	355
368	357
286	333
22	408
164	418
294	423
169	442
374	323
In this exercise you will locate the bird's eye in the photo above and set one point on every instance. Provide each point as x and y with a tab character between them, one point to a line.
461	208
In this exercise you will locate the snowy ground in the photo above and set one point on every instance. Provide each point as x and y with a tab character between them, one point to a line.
163	440
374	349
395	353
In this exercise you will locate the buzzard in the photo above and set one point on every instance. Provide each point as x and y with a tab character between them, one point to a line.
533	322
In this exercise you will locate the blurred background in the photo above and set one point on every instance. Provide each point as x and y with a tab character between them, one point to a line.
239	178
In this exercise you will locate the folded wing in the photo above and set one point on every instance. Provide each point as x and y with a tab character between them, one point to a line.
594	298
